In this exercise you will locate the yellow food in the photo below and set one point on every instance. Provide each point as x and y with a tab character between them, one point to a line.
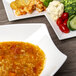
20	3
19	12
20	59
27	6
13	5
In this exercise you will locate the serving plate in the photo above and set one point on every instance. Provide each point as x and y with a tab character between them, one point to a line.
11	16
38	35
58	32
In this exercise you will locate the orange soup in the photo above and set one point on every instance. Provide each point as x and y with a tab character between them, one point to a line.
20	59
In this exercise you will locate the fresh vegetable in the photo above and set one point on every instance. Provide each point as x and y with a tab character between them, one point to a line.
64	16
64	28
42	0
70	6
65	22
62	23
59	21
46	2
72	23
55	9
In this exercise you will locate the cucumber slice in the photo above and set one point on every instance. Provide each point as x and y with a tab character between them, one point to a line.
71	24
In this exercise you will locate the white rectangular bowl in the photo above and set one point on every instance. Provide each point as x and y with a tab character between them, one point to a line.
38	35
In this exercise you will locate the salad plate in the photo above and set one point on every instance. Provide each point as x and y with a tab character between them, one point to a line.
58	32
33	33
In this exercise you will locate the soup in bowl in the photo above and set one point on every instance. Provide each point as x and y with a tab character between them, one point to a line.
21	59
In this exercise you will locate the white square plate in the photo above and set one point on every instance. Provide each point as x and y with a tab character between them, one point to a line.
11	15
58	32
38	35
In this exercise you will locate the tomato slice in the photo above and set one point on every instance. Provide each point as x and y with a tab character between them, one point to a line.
64	28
